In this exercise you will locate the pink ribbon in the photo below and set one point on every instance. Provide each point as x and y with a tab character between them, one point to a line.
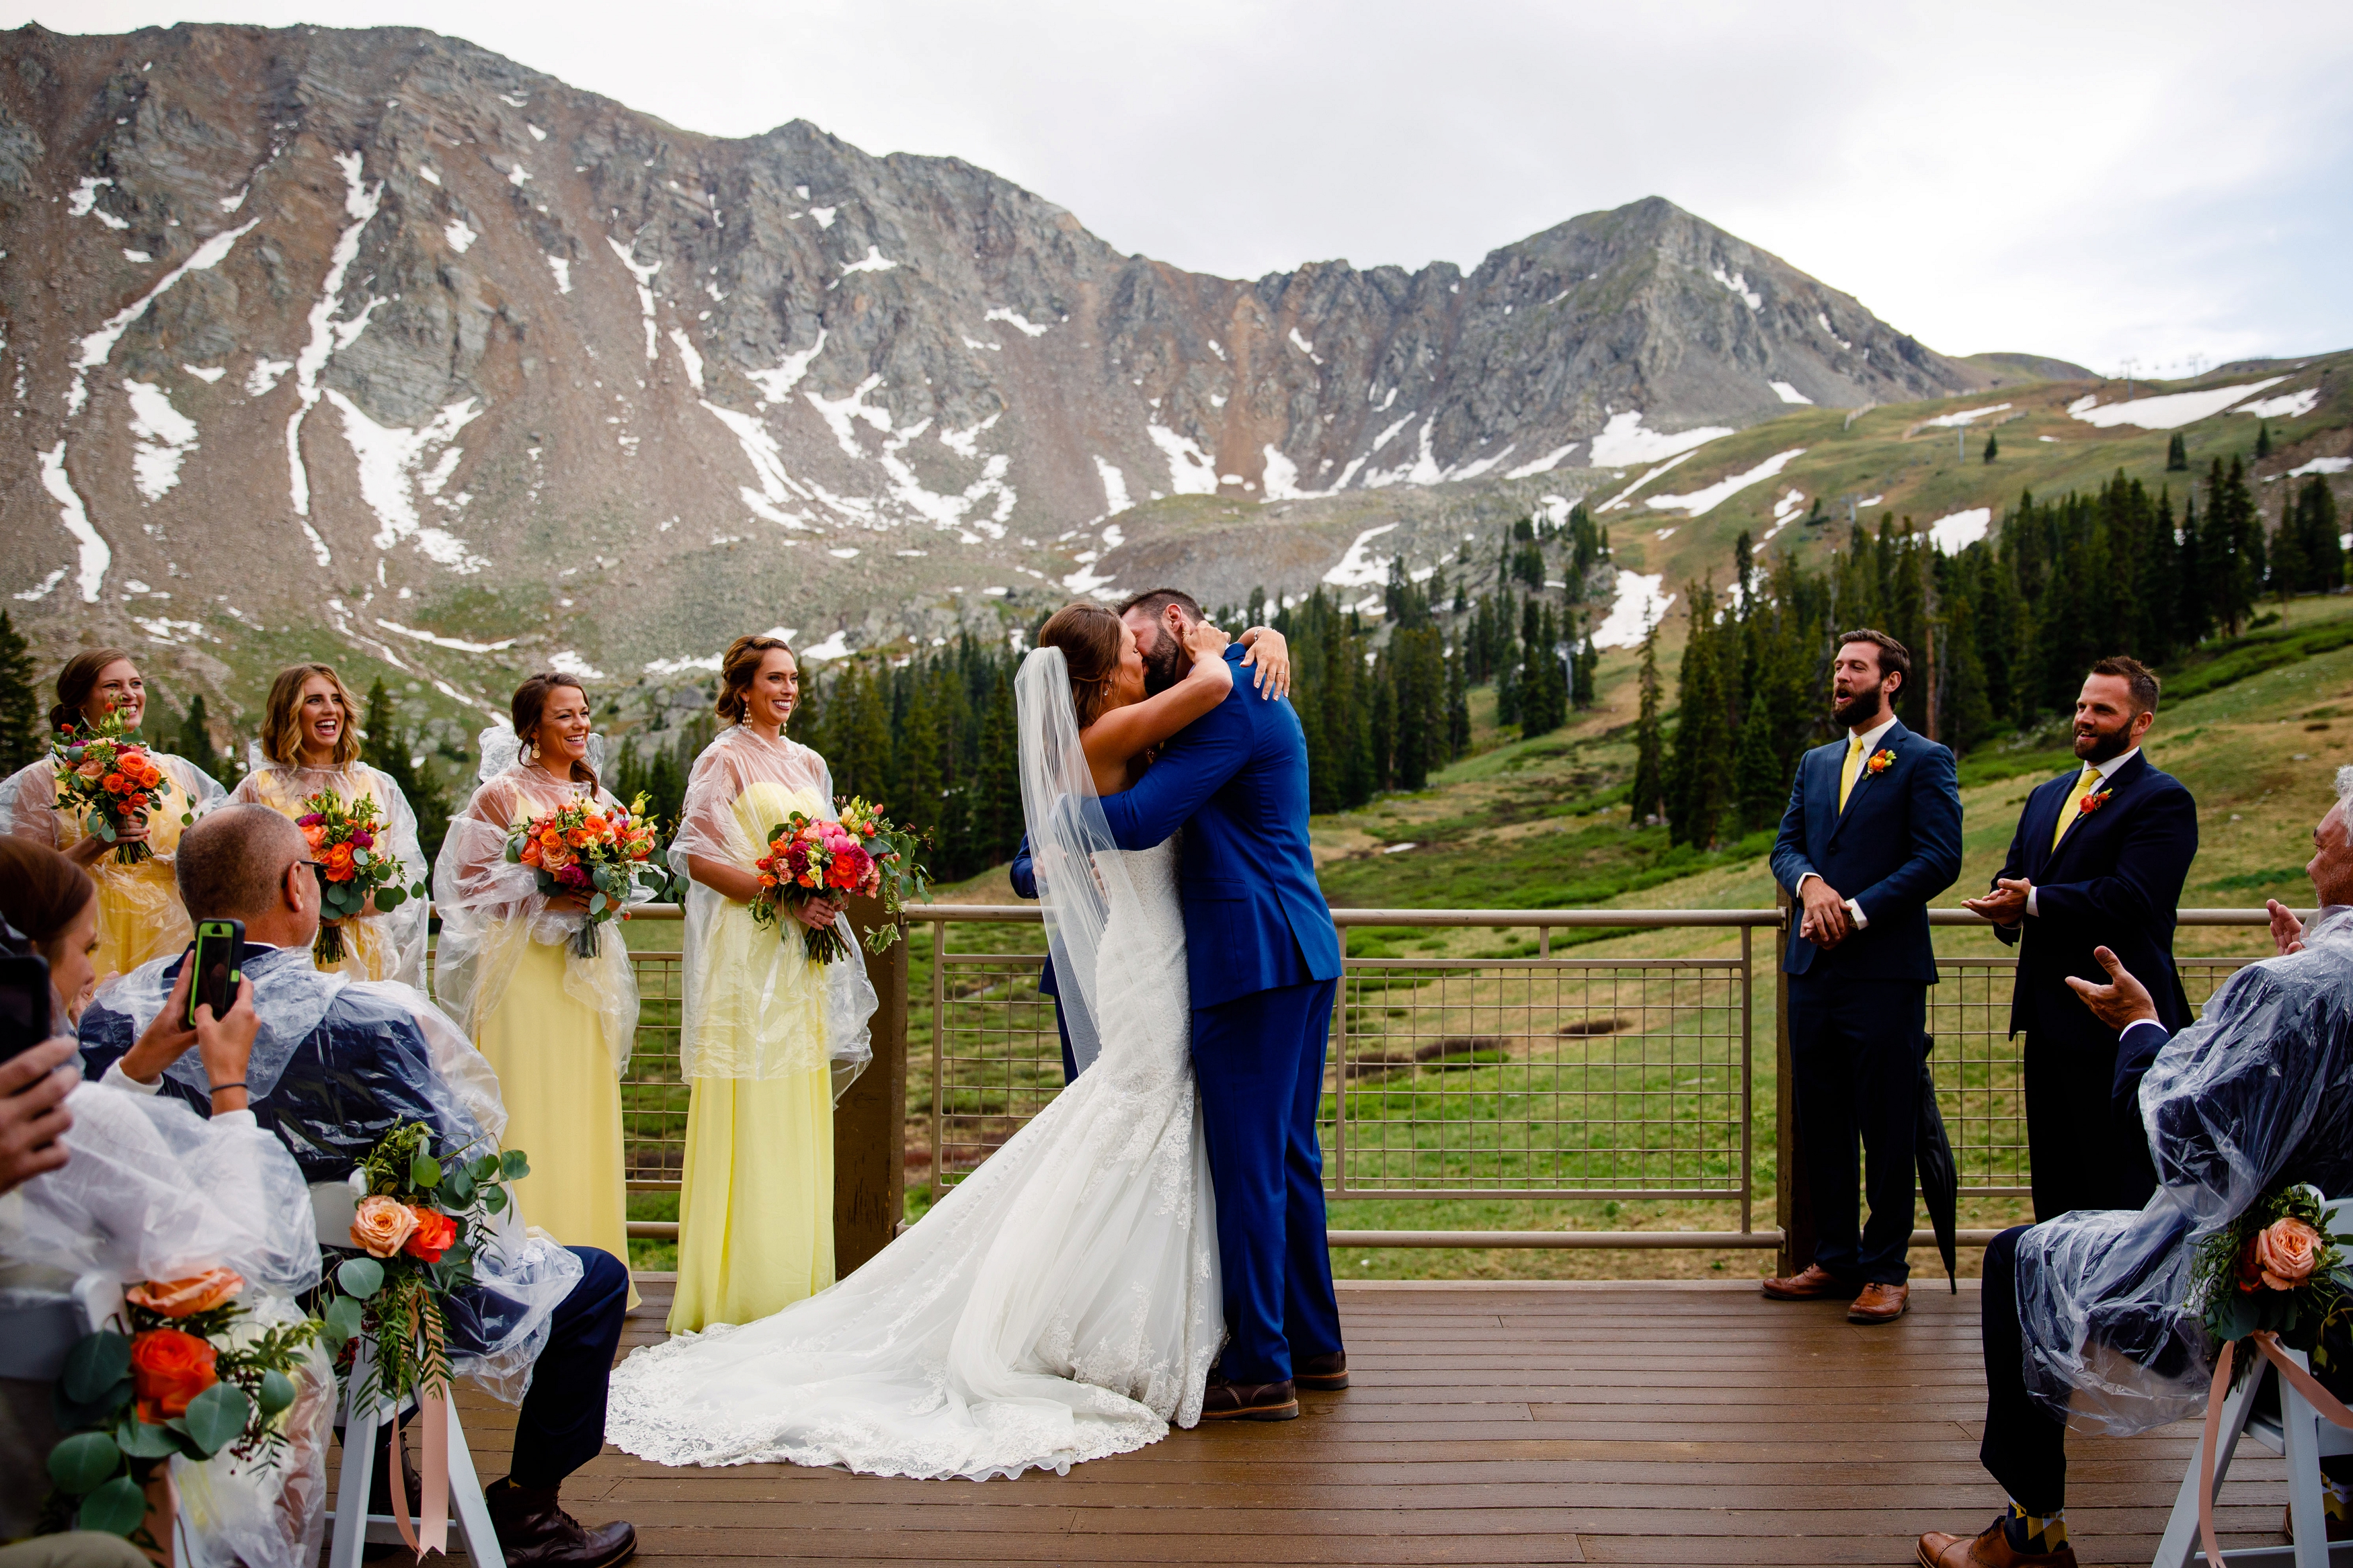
2329	1406
431	1532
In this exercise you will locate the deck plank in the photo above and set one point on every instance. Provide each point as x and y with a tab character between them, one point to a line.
1491	1424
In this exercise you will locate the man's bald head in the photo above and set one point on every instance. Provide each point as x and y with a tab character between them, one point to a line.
232	865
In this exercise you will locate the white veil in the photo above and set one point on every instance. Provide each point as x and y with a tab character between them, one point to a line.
1080	873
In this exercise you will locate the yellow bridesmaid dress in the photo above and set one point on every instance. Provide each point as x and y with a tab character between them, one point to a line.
368	953
140	916
757	1200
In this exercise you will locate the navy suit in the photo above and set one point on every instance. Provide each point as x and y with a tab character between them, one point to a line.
1858	1011
1263	962
2114	880
1025	886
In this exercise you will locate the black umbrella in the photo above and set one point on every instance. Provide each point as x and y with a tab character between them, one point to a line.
1939	1182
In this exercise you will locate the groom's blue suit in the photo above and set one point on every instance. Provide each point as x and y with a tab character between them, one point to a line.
1263	960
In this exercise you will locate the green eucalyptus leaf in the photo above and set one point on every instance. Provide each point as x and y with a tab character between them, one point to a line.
515	852
515	1165
459	1185
276	1391
494	1199
425	1169
115	1508
95	1365
361	856
485	1169
99	827
360	1276
142	1441
344	1318
82	1462
598	903
389	898
217	1416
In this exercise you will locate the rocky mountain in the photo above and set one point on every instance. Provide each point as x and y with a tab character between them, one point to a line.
378	331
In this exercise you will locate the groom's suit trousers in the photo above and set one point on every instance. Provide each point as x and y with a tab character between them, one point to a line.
1259	1061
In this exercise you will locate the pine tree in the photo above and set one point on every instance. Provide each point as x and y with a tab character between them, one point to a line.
393	752
196	743
2176	454
2262	441
2314	524
1649	795
1458	706
1588	662
859	728
1992	447
1698	780
1759	789
23	734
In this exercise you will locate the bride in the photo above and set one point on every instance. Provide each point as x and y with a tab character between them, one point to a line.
1061	1302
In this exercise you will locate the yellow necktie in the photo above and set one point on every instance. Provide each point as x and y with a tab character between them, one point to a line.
1851	770
2074	805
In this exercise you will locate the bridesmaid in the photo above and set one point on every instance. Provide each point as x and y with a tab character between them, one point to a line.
766	1038
556	1027
309	743
138	912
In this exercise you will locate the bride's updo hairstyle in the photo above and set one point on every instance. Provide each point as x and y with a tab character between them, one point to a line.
529	707
738	667
1089	637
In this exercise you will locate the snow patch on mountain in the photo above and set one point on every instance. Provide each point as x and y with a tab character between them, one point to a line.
1191	472
162	437
1624	443
2169	410
389	457
1698	503
1636	608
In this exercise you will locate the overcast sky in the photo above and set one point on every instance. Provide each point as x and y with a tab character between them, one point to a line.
2147	183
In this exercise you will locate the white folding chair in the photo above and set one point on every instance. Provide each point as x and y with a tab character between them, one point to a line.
2294	1429
354	1527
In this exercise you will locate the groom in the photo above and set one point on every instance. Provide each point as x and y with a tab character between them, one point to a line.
1263	962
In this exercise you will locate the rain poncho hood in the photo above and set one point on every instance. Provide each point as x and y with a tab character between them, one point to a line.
2258	1093
755	1006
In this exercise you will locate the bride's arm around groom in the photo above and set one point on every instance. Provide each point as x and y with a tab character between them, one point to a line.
1263	960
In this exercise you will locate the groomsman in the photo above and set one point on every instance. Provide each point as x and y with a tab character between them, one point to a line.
2098	861
1873	831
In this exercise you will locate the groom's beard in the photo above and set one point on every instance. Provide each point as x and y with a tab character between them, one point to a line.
1163	662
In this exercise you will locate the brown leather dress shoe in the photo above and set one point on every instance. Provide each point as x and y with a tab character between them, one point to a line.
1813	1283
1880	1303
1322	1373
1991	1550
1223	1401
533	1532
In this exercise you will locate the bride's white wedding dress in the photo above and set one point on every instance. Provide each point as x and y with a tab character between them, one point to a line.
1060	1304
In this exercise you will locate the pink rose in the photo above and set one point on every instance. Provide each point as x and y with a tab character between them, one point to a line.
2286	1252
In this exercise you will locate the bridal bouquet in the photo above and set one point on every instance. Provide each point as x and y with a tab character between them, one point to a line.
861	853
193	1377
2275	1269
109	781
356	863
590	853
414	1229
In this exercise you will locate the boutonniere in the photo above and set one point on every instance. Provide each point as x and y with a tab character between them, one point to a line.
1880	761
2091	802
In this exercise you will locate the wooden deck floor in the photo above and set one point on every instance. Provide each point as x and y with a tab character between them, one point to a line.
1491	1424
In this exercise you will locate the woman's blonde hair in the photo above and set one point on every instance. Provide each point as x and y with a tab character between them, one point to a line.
739	666
281	717
1089	637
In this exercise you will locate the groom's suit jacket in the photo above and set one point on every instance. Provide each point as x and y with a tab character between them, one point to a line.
1898	842
1236	781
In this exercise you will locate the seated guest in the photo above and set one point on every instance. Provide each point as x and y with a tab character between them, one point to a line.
2088	1318
335	1063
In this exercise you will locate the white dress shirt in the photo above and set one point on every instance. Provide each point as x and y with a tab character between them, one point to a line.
2106	771
1870	744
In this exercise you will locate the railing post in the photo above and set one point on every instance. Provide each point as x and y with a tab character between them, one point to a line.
1793	1209
869	1122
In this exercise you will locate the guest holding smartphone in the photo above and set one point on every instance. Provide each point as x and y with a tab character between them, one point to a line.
53	905
138	912
310	742
767	1037
556	1027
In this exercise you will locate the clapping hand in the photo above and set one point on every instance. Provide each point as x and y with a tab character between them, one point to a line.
2121	1003
2006	905
2287	931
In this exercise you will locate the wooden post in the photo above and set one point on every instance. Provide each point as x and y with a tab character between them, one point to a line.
869	1122
1793	1209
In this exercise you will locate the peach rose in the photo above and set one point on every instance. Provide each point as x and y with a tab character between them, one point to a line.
187	1298
90	768
382	1225
2286	1252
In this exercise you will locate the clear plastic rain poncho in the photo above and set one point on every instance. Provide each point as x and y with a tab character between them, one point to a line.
153	1191
139	912
2258	1093
492	908
755	1006
337	1061
387	946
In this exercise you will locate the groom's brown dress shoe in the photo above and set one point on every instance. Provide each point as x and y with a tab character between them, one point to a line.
1223	1401
1880	1303
1991	1550
1813	1283
1322	1373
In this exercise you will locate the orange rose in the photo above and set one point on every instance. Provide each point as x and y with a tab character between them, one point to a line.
316	836
435	1232
556	856
2287	1251
116	783
530	852
169	1368
382	1226
185	1297
579	837
338	860
552	836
